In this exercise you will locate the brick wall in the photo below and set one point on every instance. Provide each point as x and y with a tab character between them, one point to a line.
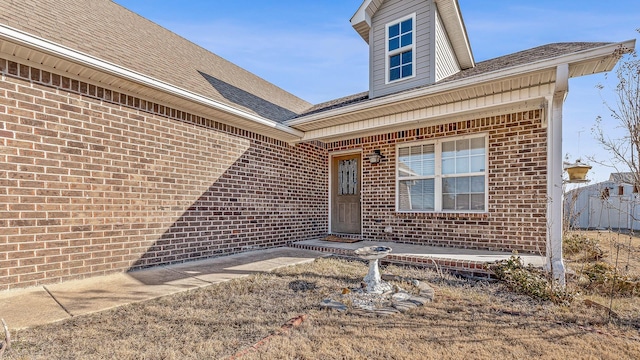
517	188
94	181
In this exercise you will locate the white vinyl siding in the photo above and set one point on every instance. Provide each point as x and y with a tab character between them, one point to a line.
446	61
390	12
446	175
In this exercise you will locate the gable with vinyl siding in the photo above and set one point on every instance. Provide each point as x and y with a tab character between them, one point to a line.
389	12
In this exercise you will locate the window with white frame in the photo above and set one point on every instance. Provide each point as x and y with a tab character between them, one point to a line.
446	175
401	48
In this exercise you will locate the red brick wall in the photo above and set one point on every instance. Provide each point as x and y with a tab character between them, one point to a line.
93	181
517	188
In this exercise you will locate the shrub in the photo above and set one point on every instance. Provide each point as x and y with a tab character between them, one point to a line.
586	248
530	281
604	279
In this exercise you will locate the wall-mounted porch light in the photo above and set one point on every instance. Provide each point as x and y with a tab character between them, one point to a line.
577	171
376	157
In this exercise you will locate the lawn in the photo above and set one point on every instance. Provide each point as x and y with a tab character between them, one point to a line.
468	319
604	267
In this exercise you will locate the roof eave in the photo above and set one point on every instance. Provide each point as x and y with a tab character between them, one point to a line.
30	41
454	23
577	57
361	21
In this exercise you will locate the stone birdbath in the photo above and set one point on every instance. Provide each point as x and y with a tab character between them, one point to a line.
374	282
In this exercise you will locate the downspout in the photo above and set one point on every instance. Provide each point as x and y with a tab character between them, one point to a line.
555	264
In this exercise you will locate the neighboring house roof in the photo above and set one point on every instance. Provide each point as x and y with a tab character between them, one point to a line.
622	177
110	32
500	63
450	14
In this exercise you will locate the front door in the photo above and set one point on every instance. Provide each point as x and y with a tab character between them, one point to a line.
345	194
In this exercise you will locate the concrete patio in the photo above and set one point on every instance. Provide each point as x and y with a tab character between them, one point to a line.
465	262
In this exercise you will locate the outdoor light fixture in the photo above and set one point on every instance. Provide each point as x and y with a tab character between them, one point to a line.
376	157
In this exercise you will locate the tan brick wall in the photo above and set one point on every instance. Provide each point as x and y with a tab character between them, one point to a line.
94	181
517	188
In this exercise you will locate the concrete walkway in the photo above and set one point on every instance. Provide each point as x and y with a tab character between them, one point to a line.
51	303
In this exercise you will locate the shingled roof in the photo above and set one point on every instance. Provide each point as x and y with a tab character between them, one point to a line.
622	177
500	63
108	31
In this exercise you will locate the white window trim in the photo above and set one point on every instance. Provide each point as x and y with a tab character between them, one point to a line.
439	176
388	53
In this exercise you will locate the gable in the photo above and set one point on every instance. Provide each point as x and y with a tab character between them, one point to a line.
433	46
449	11
422	51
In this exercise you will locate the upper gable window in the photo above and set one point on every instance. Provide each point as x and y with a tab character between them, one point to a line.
400	43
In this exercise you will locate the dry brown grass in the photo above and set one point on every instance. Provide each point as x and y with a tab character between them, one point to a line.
468	320
621	249
621	252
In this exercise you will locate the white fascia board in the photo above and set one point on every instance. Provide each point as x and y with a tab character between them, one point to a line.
361	21
497	75
63	52
454	24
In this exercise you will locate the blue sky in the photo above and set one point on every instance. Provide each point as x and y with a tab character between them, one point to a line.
309	48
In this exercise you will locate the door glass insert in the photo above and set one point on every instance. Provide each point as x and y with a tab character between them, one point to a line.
348	177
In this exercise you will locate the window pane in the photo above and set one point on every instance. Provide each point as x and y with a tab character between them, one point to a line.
403	153
394	61
428	157
429	165
477	202
477	163
477	146
477	184
448	149
416	195
462	148
407	39
448	202
407	25
407	57
394	43
463	202
448	166
394	74
407	70
463	185
462	165
394	30
449	185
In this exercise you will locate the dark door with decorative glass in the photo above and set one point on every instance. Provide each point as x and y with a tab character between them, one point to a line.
345	194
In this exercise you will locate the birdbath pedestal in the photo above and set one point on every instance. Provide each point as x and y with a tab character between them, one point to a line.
374	282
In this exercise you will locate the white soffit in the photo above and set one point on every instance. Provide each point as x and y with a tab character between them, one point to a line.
361	20
22	47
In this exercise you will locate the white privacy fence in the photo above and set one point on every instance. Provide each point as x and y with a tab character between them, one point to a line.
593	211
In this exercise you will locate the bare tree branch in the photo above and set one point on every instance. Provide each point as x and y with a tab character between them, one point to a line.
625	111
